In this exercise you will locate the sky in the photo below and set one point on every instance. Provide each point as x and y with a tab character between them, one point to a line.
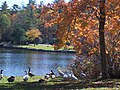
24	2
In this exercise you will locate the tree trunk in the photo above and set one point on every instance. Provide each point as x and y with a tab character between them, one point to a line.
34	43
102	40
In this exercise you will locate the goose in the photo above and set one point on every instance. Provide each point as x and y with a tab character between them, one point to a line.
11	79
1	74
30	73
47	76
25	78
52	74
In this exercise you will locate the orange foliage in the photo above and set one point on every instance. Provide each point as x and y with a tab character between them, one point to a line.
33	7
78	22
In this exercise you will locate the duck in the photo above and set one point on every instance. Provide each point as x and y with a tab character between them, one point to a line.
1	74
25	78
11	79
30	73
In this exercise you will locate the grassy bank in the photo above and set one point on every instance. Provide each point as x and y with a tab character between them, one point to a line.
59	84
40	46
44	47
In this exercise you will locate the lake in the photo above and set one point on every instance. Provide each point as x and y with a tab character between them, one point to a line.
15	62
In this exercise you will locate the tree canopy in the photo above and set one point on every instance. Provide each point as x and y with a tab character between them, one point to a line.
86	25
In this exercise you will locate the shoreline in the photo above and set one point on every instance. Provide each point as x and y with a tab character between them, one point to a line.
32	49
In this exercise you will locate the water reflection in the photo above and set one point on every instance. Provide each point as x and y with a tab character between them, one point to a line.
15	62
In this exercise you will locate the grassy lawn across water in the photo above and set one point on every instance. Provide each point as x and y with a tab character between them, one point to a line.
44	47
39	46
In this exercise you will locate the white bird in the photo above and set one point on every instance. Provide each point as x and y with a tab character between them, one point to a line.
67	75
25	78
1	74
53	76
73	77
82	75
62	74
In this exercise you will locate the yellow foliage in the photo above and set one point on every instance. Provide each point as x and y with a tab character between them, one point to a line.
32	34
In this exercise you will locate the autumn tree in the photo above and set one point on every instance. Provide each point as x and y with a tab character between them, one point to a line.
83	23
33	34
22	19
48	34
112	37
17	20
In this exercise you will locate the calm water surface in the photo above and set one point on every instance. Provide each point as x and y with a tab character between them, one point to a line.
15	62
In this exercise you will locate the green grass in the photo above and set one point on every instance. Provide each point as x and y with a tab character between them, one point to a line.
58	84
43	47
40	46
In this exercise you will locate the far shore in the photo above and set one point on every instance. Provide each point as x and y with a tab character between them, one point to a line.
39	47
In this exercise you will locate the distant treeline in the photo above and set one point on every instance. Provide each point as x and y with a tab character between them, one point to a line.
16	21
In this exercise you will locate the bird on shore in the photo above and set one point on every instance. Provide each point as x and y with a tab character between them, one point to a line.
73	77
46	76
62	74
41	81
50	75
82	74
25	78
66	75
1	74
30	73
11	79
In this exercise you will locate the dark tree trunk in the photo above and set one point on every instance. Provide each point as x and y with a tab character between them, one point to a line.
102	40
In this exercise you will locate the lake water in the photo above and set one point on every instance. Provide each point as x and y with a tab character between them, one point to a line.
15	62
